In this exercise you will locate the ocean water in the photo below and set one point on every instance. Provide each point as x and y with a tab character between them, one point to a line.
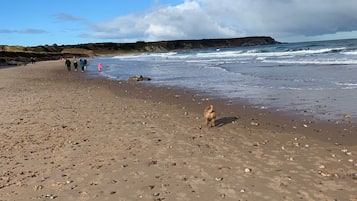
318	78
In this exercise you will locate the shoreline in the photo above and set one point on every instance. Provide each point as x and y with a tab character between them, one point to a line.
67	136
339	132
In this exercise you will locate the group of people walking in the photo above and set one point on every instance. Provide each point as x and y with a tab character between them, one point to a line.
83	63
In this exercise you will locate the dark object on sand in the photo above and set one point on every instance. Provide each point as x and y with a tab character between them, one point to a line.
138	78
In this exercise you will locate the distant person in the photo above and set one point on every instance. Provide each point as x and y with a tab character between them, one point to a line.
100	66
33	60
85	64
68	64
81	63
75	64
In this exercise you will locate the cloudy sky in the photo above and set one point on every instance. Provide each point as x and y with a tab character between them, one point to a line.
40	22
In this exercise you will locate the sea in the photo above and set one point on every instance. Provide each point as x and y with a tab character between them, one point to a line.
307	78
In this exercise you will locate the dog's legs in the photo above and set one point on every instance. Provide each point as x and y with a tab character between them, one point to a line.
207	122
213	122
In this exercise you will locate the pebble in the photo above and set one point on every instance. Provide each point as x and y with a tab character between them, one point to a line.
346	116
254	123
344	150
51	196
247	170
296	144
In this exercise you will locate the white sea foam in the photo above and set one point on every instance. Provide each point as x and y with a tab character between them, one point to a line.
312	62
350	52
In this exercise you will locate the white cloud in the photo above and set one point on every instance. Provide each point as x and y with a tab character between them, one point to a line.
195	19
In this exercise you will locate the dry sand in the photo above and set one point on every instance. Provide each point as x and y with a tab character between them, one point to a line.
67	137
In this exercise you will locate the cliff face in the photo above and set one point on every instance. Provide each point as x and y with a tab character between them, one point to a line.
17	55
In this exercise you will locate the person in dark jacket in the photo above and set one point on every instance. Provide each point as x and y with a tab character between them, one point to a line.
75	64
68	64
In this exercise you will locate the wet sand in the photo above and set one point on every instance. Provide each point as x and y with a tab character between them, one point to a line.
64	136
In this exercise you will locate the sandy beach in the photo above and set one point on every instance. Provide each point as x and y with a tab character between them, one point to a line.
65	136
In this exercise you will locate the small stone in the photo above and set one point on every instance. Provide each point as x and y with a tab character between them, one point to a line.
254	123
219	178
346	116
322	167
247	170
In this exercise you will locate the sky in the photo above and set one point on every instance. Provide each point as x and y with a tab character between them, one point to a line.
67	22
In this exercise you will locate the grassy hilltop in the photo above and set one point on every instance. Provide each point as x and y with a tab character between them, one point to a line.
18	55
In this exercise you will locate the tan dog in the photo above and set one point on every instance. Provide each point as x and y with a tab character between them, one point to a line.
210	115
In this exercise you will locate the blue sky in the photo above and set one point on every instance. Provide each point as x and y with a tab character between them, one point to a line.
40	22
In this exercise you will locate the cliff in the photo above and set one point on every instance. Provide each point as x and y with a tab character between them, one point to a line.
18	55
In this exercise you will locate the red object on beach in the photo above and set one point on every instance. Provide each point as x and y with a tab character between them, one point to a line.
100	67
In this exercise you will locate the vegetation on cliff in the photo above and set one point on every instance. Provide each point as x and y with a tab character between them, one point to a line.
17	55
